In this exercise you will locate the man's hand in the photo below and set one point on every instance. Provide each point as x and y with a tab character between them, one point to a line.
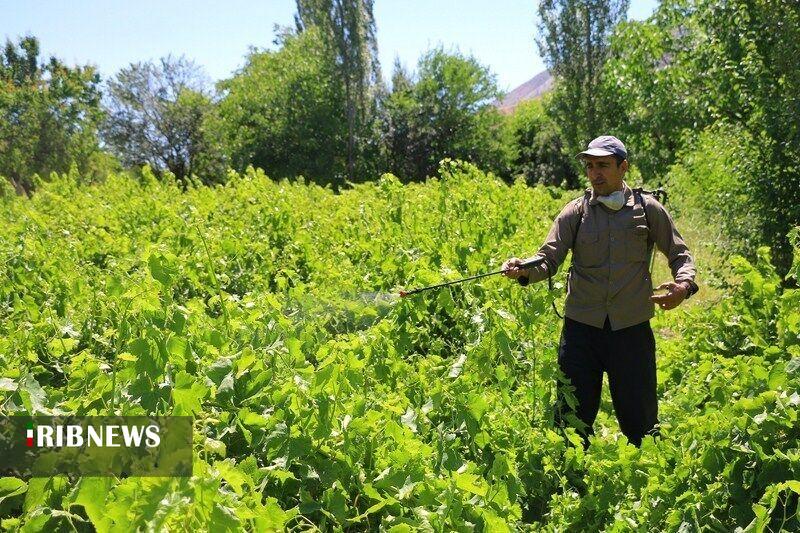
676	294
511	268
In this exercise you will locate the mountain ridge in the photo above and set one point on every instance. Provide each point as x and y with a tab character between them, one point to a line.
530	90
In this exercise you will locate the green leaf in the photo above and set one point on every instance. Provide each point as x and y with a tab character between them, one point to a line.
280	474
219	370
32	394
59	347
492	522
777	376
373	509
162	269
295	349
149	362
214	446
478	407
249	418
247	359
187	395
91	493
471	483
223	518
323	376
270	517
235	478
178	350
11	486
44	491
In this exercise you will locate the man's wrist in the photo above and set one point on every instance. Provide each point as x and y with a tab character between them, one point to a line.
689	287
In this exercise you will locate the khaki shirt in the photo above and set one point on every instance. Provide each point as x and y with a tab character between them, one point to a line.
609	274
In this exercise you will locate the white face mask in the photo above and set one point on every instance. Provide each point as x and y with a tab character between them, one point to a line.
613	201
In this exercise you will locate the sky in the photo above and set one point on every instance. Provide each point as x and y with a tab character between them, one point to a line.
111	34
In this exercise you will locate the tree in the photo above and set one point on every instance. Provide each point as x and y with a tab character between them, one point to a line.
446	111
697	71
348	30
282	112
538	150
399	110
573	40
156	115
749	74
49	115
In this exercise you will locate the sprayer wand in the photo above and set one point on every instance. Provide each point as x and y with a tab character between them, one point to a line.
525	265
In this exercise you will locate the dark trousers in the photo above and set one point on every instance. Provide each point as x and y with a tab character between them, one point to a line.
629	357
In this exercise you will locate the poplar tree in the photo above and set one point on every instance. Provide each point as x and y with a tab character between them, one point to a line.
348	28
573	39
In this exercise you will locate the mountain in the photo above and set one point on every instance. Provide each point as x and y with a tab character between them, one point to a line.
533	88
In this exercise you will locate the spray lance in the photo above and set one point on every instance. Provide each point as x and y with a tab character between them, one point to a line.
522	266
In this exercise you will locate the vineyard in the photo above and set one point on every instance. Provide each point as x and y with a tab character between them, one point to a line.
268	311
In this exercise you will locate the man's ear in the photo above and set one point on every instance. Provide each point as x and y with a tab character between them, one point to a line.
624	165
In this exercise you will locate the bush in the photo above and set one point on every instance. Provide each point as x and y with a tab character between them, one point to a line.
538	149
724	178
445	111
283	112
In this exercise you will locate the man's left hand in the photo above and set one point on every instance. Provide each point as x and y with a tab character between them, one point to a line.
676	294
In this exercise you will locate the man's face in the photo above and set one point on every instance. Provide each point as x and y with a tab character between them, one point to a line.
604	174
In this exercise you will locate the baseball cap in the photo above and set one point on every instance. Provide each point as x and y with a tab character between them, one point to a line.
605	145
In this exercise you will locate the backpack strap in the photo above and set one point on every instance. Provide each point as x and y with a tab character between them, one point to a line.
640	200
637	195
582	208
660	195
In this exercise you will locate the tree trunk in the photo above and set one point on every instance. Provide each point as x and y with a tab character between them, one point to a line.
589	92
18	187
351	133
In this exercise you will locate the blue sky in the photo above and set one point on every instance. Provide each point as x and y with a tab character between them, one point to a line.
113	33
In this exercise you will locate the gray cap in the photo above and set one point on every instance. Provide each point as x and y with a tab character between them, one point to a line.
605	145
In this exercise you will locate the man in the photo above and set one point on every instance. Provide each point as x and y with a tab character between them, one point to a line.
611	231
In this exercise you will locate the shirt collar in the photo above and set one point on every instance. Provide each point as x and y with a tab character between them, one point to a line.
626	191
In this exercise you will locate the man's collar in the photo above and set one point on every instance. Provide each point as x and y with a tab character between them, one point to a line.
626	191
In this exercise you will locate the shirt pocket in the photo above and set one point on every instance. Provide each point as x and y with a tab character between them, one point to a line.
636	244
588	252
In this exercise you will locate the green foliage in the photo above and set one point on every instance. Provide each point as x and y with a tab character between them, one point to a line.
318	402
49	115
539	152
648	83
573	39
712	179
282	112
348	30
156	115
750	75
696	63
445	110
